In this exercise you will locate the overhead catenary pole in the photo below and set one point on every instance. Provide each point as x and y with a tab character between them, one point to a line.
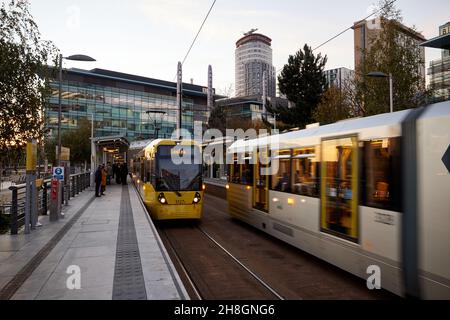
391	98
179	95
264	93
210	101
58	155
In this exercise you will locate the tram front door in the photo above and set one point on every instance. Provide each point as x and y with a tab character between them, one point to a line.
339	187
261	183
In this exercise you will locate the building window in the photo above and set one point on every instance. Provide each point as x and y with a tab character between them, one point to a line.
305	164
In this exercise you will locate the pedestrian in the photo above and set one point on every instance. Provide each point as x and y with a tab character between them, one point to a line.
114	170
110	174
98	180
104	174
124	171
118	173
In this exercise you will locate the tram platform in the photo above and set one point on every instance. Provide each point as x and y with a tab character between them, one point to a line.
104	248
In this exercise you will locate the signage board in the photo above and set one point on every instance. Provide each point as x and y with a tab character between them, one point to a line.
58	173
65	153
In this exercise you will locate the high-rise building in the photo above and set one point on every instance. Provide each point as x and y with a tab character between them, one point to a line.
439	71
253	57
338	77
366	31
124	104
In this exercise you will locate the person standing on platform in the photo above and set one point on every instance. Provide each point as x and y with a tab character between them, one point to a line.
124	171
118	173
98	180
109	170
114	170
104	174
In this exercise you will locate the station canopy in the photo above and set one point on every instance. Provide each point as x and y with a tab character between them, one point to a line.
112	148
116	144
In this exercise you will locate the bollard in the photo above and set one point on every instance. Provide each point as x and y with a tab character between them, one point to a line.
14	208
72	180
83	182
44	200
62	192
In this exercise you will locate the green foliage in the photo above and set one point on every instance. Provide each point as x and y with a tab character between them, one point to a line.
217	119
77	140
333	107
24	85
303	82
391	52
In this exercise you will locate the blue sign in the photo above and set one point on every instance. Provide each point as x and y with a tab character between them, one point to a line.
58	173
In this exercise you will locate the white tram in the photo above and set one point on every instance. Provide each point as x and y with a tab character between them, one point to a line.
356	193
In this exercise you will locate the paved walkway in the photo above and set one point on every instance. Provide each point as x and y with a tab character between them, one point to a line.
111	242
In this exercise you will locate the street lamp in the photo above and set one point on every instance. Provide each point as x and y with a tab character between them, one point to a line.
76	57
378	74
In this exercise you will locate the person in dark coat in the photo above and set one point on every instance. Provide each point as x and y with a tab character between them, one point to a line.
98	180
124	173
118	173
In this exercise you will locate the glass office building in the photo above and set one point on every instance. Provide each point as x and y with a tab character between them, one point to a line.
123	104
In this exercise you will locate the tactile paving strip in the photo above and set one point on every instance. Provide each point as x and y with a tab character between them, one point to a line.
128	277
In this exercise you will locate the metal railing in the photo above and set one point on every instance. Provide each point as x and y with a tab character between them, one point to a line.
16	207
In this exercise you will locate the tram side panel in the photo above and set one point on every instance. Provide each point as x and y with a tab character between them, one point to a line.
434	205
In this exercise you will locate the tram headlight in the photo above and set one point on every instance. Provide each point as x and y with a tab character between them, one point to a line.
162	199
197	198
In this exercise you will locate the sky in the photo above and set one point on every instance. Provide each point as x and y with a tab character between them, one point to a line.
149	37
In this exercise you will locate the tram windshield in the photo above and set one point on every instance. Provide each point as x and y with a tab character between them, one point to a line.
178	177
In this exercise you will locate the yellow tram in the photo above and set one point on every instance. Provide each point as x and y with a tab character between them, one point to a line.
168	175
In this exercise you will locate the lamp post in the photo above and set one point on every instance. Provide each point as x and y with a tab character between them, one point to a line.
377	74
77	57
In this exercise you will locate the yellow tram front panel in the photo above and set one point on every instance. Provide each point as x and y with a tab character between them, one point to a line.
176	206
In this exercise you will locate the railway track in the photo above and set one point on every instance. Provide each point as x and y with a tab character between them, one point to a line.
222	259
208	270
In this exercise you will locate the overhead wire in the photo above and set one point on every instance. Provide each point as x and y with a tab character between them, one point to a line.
339	34
198	33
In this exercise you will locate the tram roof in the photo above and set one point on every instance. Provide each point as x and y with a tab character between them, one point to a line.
380	126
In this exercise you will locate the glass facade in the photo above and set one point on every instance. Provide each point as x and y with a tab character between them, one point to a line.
120	108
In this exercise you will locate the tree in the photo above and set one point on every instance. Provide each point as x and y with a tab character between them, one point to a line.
217	119
390	52
24	85
333	106
77	140
303	82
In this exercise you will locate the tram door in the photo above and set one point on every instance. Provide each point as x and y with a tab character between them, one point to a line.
339	187
261	182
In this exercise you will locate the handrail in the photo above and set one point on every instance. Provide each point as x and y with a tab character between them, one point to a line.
77	182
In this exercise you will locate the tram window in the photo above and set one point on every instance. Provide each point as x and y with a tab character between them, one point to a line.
235	175
247	173
305	168
382	171
242	171
281	180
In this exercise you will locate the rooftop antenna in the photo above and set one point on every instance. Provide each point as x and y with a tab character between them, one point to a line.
250	32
